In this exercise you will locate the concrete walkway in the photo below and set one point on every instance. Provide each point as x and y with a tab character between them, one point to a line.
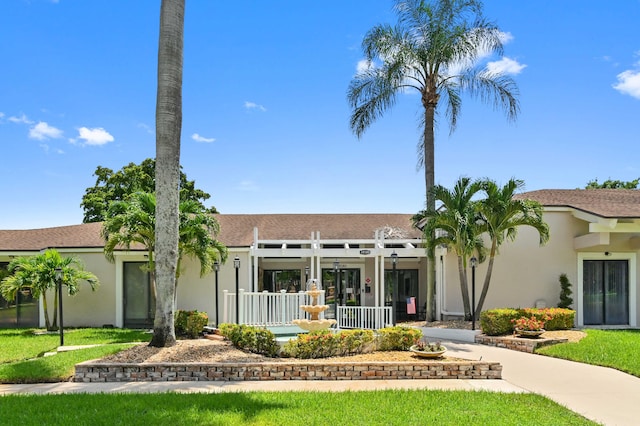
600	394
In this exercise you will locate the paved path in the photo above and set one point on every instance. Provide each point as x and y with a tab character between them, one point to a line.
601	394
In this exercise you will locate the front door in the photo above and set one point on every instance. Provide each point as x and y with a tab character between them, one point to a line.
139	298
606	292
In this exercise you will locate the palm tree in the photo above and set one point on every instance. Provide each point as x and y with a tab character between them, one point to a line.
38	274
133	222
434	50
168	128
502	214
197	238
456	224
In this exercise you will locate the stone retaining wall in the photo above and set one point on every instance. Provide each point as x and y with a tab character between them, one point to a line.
91	371
521	344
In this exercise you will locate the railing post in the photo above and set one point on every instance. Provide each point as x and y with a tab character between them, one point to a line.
263	307
240	297
283	308
225	312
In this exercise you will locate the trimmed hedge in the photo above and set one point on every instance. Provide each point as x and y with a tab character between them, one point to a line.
190	323
253	339
397	338
325	343
495	322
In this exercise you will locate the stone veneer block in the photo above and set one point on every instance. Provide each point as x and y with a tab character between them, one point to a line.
95	371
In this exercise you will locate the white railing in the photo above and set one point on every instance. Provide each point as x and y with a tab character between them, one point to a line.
365	317
266	309
277	309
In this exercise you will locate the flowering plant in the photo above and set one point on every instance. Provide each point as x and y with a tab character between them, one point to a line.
425	346
528	324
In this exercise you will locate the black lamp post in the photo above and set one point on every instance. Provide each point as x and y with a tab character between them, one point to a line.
236	265
336	278
216	267
473	292
58	276
394	294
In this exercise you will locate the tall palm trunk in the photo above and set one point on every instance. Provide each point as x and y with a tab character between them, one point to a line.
429	179
464	288
168	128
487	278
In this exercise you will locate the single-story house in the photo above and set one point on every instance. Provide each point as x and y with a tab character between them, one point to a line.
594	239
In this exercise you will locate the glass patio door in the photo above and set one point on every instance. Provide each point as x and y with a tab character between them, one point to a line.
139	299
606	292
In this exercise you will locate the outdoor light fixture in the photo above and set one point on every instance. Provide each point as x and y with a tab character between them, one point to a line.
394	294
58	277
216	267
474	261
236	265
306	274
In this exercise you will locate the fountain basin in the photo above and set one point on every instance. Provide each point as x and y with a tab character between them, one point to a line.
314	325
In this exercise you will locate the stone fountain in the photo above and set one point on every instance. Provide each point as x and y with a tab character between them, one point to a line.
314	323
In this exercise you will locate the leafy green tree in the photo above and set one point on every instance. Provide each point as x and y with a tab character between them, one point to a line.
434	49
117	186
613	184
38	273
458	224
502	215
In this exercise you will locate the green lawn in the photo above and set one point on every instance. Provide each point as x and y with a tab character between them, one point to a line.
389	407
22	360
610	348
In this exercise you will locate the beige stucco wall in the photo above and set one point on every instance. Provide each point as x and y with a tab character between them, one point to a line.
525	272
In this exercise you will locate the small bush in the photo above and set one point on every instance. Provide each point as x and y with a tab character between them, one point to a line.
190	323
565	292
324	344
253	339
397	338
495	322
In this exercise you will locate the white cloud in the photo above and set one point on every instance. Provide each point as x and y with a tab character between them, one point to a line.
505	37
629	83
196	137
253	105
22	119
1	114
145	127
505	66
95	136
363	65
42	131
247	185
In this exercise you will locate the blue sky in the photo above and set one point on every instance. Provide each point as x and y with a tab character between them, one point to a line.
265	126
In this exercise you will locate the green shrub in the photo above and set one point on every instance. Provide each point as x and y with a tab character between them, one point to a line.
190	323
250	338
565	292
316	344
397	338
324	344
495	322
556	318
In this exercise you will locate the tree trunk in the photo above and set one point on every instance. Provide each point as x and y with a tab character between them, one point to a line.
429	178
464	289
168	128
487	278
47	323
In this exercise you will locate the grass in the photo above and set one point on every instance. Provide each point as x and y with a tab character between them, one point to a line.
609	348
389	407
22	361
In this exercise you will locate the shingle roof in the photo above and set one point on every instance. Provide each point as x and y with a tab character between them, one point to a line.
607	203
236	230
86	235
